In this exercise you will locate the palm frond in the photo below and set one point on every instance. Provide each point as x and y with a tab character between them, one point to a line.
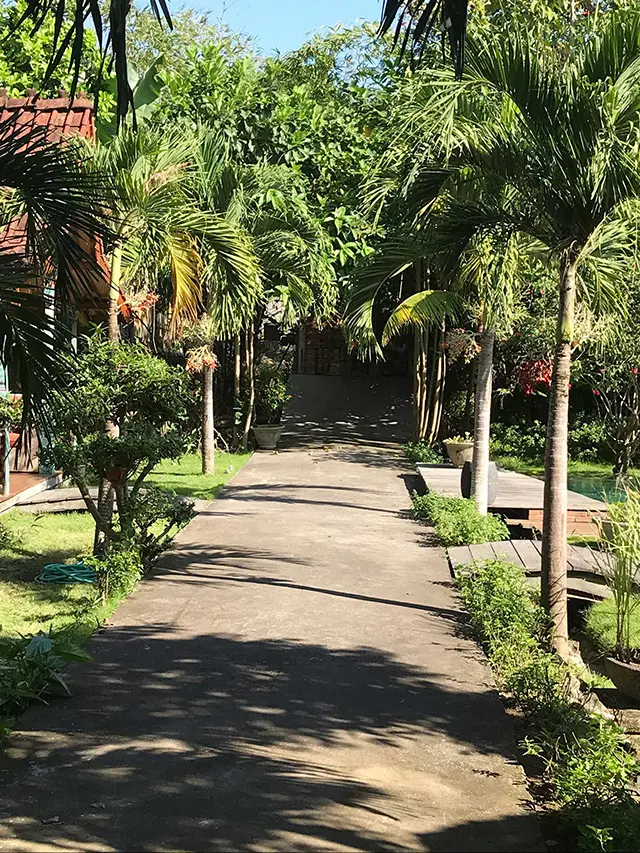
186	271
413	21
423	309
72	20
393	257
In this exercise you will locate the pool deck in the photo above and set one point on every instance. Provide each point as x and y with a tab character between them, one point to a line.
518	497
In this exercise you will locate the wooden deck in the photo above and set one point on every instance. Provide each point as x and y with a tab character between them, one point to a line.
26	484
585	572
519	497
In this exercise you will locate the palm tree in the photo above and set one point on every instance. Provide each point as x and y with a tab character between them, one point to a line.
561	139
52	213
291	252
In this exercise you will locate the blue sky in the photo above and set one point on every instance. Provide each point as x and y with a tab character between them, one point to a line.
285	24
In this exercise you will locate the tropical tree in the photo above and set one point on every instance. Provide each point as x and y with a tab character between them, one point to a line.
52	212
562	139
291	255
404	264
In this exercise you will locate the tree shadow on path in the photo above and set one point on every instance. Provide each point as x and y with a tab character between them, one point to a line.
210	742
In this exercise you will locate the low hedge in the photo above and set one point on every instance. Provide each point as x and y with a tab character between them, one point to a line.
588	767
457	521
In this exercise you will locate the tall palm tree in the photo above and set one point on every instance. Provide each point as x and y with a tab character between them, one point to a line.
562	140
290	251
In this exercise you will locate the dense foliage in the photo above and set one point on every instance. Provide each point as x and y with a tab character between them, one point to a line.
457	521
143	402
586	762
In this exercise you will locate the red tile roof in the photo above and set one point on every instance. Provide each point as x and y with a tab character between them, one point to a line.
58	115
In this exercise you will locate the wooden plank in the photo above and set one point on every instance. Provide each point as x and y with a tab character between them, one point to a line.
506	551
515	491
482	552
529	554
460	555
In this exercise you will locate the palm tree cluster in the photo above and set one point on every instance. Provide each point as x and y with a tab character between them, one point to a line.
529	155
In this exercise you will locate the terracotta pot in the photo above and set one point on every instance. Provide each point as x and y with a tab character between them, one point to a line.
267	435
459	452
625	676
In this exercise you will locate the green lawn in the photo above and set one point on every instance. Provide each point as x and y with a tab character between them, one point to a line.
600	625
594	470
27	606
184	476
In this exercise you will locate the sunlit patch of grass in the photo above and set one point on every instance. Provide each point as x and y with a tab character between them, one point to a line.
185	477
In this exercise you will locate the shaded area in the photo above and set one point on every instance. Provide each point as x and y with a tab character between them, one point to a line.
220	733
356	410
293	677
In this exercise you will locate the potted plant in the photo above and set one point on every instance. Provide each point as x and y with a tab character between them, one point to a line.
460	449
620	564
271	398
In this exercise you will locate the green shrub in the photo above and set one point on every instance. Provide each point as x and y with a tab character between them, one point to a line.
587	762
587	441
117	573
419	451
30	668
457	521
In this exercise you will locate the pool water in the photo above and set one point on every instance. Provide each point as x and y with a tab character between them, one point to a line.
600	488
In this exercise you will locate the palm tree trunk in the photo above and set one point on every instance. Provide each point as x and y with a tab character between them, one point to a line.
424	364
208	436
113	332
252	386
482	421
237	375
436	389
105	490
554	538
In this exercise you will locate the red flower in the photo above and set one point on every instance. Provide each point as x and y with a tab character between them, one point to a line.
596	392
634	370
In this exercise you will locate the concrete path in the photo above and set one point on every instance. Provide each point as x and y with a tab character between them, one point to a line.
294	678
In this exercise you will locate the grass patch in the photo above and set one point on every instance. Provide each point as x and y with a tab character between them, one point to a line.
592	470
25	605
600	626
185	477
457	521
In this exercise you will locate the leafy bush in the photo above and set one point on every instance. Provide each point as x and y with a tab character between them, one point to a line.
524	441
587	762
117	573
271	392
457	521
587	441
147	400
419	451
30	668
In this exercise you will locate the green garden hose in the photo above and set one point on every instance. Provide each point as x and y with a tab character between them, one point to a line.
67	573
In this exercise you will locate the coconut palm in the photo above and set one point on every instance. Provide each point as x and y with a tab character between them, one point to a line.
562	141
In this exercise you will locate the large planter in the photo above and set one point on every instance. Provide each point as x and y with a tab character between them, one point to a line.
459	452
267	435
625	676
467	476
